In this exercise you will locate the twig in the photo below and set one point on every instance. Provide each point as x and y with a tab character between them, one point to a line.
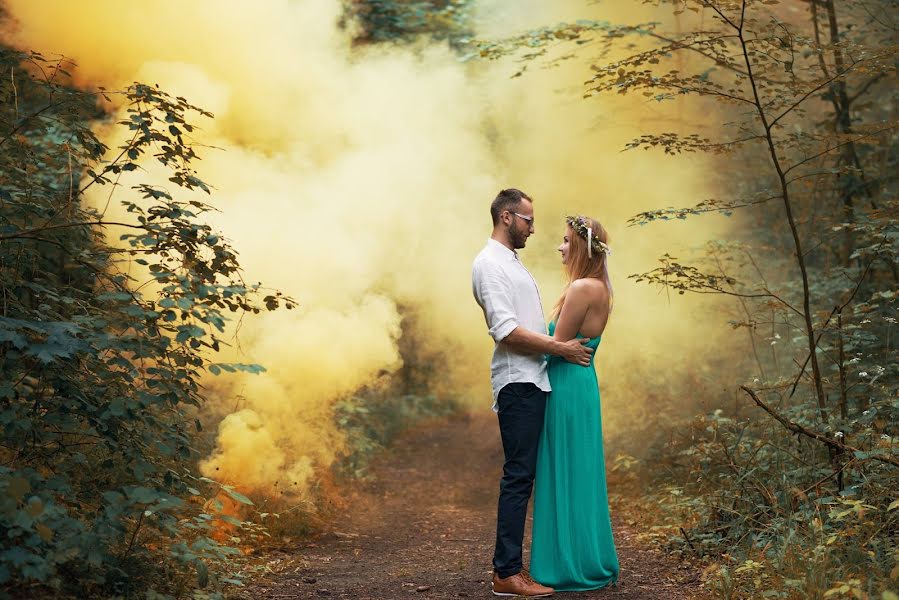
799	429
140	520
835	310
687	537
28	232
831	476
866	86
15	91
28	119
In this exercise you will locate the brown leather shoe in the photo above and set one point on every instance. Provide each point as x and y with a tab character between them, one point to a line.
519	585
527	575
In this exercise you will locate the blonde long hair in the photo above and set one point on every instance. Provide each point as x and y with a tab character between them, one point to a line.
579	265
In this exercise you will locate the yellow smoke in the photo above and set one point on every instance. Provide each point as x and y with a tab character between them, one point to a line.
358	179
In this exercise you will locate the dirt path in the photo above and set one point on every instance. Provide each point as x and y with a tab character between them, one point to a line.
425	526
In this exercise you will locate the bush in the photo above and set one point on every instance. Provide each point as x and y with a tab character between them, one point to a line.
100	374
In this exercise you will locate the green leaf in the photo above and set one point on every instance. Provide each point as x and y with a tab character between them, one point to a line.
186	332
237	495
17	487
35	507
144	495
202	573
117	407
117	296
230	519
44	532
14	337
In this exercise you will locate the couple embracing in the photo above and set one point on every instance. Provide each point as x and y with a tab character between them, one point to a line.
547	399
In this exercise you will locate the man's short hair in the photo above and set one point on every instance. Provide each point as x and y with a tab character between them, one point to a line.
508	199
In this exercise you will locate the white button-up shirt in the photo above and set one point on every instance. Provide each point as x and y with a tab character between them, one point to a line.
508	295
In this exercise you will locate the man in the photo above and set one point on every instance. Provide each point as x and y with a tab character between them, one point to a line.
508	295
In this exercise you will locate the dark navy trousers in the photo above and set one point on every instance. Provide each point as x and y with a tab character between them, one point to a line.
521	408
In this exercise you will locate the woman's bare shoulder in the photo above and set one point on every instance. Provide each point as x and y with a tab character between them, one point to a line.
590	285
591	291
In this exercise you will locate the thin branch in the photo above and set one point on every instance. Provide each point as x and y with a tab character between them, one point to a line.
677	45
767	294
866	87
28	119
838	146
799	429
831	476
711	92
29	232
727	20
140	520
15	91
750	330
837	309
818	88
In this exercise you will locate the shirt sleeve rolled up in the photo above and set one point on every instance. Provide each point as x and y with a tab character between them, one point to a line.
493	291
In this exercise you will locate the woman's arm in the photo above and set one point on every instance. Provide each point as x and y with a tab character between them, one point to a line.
493	292
530	342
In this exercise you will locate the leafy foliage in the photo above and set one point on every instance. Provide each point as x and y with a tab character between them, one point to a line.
373	418
712	205
103	341
403	20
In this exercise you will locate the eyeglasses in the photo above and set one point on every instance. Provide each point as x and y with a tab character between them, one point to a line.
529	220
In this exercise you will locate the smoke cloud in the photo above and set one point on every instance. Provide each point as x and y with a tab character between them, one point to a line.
358	180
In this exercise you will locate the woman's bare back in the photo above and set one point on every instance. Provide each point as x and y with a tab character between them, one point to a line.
585	309
598	307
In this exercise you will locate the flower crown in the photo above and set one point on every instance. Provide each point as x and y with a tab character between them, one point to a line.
581	226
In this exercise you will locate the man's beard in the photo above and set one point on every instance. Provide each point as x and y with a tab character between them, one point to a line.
517	237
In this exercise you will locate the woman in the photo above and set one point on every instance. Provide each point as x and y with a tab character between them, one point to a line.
572	547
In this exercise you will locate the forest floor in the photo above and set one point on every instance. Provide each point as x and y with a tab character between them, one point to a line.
424	527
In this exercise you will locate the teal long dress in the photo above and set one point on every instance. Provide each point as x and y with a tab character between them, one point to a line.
572	547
